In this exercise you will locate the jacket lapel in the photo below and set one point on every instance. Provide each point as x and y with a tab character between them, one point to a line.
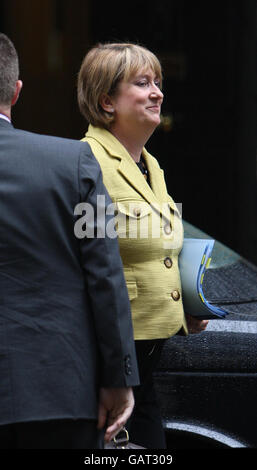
158	186
156	194
133	175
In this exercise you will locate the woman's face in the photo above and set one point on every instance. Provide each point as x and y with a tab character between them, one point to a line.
137	102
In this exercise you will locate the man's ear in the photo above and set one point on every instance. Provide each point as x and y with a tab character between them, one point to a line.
18	88
106	103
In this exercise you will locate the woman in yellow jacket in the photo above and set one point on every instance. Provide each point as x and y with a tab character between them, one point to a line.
119	94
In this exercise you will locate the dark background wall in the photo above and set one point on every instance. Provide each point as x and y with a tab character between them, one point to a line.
207	141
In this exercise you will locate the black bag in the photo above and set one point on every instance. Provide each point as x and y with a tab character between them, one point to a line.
121	441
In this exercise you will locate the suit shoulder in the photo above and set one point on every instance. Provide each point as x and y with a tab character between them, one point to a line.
50	143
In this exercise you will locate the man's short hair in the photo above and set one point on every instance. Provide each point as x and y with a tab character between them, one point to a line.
102	69
9	70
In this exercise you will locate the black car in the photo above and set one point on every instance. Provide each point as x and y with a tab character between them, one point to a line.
207	382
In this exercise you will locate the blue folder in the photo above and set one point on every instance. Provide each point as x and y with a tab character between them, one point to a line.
194	259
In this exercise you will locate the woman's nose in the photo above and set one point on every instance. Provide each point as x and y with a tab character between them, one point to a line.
156	92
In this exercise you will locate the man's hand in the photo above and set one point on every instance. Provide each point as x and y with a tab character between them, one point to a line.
195	325
115	407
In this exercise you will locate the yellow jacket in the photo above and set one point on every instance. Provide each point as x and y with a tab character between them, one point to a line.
150	237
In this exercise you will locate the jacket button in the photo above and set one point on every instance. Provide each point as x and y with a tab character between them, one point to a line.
137	211
168	262
127	362
168	229
175	295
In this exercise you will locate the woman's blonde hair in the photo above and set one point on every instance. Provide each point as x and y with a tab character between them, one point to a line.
103	67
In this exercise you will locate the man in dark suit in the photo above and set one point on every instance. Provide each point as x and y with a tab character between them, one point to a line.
67	358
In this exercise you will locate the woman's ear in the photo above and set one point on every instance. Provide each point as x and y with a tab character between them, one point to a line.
106	103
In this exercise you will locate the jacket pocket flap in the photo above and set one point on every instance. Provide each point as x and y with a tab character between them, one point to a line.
134	209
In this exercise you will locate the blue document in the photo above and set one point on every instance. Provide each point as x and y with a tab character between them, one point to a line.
194	259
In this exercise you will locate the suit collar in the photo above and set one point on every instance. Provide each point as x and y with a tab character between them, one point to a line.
128	168
5	124
156	193
109	142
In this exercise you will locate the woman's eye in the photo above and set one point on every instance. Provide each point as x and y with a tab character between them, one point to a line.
145	83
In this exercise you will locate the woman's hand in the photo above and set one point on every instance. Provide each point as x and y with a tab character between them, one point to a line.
195	325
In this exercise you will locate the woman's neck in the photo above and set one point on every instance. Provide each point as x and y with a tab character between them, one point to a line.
133	143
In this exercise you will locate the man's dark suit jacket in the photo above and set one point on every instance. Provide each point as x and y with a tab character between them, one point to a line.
65	321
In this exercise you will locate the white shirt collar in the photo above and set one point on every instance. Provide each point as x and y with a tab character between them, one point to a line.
2	116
